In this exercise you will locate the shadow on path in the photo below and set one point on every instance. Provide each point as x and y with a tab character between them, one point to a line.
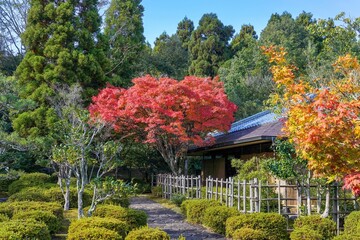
171	222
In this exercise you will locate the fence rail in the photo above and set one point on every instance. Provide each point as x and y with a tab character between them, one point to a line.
290	200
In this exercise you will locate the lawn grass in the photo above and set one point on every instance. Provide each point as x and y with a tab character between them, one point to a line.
165	203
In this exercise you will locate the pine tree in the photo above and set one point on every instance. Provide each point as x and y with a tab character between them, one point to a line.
64	47
124	29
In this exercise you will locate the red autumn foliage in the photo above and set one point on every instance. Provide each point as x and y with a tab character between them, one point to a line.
167	113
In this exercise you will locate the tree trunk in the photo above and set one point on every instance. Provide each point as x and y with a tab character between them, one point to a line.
93	203
327	203
67	194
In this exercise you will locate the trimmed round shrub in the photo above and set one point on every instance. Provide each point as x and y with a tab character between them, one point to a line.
122	201
272	224
30	194
324	226
24	229
215	217
184	205
54	194
352	221
346	236
305	233
147	233
249	234
135	218
4	218
121	227
96	233
51	221
7	179
29	180
9	208
195	209
177	199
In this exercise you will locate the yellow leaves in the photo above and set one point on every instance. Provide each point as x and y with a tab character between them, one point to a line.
346	63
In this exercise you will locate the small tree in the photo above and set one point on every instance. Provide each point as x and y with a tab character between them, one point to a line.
169	114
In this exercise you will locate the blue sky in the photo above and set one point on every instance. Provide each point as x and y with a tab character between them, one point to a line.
164	15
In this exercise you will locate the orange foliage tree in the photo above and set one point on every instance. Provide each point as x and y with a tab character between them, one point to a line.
322	115
169	114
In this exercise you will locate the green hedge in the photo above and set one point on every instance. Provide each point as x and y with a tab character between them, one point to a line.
9	208
24	229
147	233
249	234
305	233
324	226
177	199
272	224
184	205
215	217
135	218
7	178
352	223
30	180
52	222
121	227
195	209
96	233
4	218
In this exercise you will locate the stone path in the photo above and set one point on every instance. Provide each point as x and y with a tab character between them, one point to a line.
171	222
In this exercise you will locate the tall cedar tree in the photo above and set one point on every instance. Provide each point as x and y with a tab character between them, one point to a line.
124	30
184	31
169	114
64	46
209	46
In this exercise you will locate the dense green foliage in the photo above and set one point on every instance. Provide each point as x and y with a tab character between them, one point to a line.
116	225
305	233
135	218
10	208
323	226
95	233
29	180
124	32
352	223
195	209
215	217
272	224
147	233
209	46
51	221
24	229
246	233
177	199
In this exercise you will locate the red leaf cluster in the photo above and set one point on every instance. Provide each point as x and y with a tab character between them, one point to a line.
166	109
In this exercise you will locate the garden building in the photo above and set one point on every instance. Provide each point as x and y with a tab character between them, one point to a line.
248	137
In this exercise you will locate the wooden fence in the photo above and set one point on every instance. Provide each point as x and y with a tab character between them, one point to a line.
255	196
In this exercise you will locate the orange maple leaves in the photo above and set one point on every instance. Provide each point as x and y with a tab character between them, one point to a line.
322	119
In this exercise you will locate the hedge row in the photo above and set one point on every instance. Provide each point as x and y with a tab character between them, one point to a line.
351	227
313	227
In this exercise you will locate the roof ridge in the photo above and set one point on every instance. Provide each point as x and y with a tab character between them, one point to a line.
252	117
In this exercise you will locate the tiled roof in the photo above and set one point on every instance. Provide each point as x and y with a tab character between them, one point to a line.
261	126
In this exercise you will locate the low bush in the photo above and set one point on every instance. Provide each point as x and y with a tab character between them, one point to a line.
272	224
121	227
215	217
7	178
51	221
147	233
9	208
324	226
345	236
249	234
135	218
156	191
122	201
4	218
24	229
177	199
195	209
30	194
29	180
352	223
184	206
96	233
305	233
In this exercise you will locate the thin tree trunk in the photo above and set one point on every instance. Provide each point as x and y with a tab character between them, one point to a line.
67	194
327	202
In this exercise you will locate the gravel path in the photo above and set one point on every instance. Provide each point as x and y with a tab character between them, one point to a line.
171	222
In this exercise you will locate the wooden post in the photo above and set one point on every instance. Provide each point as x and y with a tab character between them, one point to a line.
221	190
244	195
226	192
199	189
216	189
259	195
256	196
251	195
238	195
206	188
279	197
232	192
308	197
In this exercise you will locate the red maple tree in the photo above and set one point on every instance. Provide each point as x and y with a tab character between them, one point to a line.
169	114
